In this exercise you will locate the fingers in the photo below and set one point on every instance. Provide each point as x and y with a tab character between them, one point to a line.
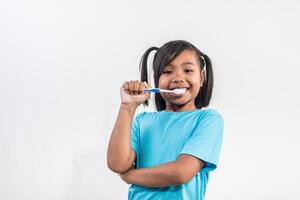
146	85
125	86
134	87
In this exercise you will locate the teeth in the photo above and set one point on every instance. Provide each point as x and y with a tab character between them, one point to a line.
179	88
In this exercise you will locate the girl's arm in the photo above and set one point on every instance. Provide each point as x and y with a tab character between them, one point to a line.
172	173
120	155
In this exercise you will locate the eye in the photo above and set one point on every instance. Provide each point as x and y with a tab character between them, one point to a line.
189	70
166	72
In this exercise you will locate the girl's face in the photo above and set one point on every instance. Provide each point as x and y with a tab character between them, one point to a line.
182	72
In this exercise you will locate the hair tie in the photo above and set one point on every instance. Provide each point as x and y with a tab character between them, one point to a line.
204	68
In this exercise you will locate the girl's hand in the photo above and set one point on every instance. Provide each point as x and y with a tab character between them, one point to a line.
132	92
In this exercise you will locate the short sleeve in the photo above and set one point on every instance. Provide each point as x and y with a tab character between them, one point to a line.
205	142
135	132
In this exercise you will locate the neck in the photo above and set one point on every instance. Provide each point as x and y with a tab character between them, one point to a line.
180	108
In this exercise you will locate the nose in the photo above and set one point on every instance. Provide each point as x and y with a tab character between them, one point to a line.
178	78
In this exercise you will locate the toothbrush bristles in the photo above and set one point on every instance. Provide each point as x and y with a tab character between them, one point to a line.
179	90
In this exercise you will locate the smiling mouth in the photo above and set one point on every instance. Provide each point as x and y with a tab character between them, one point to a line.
179	88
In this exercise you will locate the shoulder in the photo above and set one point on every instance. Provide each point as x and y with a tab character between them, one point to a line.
210	113
210	118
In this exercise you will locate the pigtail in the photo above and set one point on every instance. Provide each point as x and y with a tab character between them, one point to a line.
204	97
143	68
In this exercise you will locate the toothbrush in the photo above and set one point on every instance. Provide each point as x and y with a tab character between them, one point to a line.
157	90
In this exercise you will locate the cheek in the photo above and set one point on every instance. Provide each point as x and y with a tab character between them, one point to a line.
195	80
196	85
162	82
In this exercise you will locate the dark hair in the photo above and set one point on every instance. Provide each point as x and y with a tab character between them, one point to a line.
165	55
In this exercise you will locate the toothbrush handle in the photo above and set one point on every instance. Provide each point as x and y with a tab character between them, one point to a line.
155	90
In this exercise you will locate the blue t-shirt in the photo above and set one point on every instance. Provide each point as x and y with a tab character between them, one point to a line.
160	137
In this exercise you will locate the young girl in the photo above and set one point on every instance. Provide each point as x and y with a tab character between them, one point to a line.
168	154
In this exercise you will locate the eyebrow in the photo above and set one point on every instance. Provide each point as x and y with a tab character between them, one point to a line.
184	63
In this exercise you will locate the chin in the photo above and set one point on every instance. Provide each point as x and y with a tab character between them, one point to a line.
179	102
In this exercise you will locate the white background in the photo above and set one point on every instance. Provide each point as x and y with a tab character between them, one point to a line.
62	63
